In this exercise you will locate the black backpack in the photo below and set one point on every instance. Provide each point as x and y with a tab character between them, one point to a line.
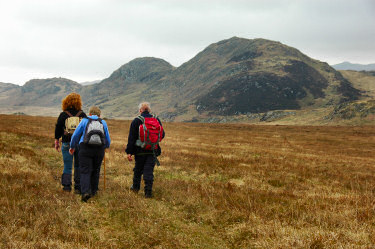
94	133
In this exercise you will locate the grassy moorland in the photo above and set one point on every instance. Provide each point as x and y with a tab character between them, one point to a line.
219	186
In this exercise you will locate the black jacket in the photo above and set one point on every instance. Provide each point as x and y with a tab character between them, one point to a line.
131	148
60	125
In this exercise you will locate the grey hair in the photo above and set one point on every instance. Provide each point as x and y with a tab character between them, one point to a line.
94	110
145	106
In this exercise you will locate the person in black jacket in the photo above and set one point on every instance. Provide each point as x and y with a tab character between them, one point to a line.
144	159
71	106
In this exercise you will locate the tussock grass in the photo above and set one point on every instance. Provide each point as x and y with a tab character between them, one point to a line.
219	186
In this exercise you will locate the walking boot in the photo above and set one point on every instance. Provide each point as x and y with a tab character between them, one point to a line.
85	197
66	181
134	189
67	188
77	188
148	194
148	189
136	186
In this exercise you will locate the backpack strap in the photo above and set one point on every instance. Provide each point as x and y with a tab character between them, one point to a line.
78	113
69	114
153	150
140	117
87	125
154	144
157	143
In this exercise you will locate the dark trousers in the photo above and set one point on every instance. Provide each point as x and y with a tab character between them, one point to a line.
90	160
144	165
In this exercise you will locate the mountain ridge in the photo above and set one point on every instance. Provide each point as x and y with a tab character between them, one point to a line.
354	66
230	77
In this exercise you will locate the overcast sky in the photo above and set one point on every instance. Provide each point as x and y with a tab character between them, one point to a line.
87	40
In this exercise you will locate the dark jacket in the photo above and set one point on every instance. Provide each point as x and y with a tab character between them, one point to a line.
60	125
131	148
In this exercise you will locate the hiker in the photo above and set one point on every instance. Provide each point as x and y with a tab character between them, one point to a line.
145	154
93	138
66	123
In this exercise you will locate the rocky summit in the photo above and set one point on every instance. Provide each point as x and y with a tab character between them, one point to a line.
233	77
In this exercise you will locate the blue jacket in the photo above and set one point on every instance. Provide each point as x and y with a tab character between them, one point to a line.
79	133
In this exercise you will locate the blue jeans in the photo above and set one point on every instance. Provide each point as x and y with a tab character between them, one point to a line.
68	164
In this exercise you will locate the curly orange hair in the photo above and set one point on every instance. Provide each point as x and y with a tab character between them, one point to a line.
72	100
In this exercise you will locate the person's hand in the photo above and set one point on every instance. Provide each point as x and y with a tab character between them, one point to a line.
57	145
130	158
71	151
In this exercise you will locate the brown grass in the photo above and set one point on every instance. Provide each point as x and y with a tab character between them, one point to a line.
219	186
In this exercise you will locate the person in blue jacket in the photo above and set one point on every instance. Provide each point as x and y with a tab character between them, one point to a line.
93	138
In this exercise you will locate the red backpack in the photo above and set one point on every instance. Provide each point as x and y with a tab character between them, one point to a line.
150	133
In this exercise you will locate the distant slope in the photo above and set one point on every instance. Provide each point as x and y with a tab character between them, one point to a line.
363	80
7	86
120	93
87	83
357	67
41	92
8	90
359	112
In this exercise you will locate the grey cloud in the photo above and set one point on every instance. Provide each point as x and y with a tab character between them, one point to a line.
83	38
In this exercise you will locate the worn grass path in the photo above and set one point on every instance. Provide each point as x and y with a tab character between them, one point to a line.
219	186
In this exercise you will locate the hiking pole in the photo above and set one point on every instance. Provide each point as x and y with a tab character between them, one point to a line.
104	170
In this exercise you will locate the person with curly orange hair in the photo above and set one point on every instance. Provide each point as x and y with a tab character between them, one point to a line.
72	109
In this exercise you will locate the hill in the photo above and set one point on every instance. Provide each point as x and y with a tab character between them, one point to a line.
8	89
233	77
262	75
357	67
363	81
257	187
227	78
7	86
40	92
121	92
355	111
87	83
